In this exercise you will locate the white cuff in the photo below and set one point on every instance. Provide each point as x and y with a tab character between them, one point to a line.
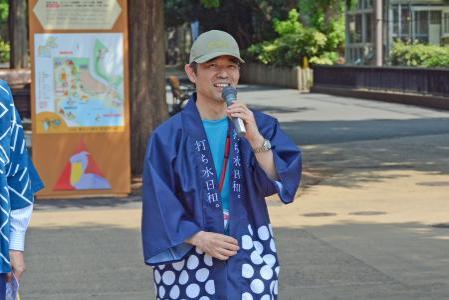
19	221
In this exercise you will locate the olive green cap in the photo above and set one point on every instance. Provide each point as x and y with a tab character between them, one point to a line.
212	44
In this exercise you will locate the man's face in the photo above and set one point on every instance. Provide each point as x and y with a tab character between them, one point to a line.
212	76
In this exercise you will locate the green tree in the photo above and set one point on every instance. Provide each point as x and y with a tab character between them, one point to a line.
247	20
4	34
294	42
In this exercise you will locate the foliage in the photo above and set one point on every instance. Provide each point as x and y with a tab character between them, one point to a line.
251	22
295	42
419	55
5	51
4	12
210	3
4	44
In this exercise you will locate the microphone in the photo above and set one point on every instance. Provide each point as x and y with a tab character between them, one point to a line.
229	94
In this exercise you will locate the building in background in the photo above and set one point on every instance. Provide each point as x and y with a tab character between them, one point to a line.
425	21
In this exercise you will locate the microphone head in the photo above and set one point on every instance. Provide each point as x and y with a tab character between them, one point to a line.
229	94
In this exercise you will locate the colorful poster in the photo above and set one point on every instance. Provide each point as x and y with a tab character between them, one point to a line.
77	14
82	173
79	82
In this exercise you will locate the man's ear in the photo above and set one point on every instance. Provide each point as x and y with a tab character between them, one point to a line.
190	73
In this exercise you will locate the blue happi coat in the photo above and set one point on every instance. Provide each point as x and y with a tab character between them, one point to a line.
181	197
19	179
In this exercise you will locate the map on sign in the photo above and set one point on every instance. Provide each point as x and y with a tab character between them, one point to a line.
79	82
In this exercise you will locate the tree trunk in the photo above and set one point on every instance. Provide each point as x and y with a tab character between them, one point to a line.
147	74
18	33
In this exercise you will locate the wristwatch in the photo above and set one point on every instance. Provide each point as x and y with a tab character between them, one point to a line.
264	148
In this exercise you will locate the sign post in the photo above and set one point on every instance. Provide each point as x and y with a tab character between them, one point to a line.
79	96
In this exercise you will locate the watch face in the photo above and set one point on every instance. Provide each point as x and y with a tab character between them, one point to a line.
267	145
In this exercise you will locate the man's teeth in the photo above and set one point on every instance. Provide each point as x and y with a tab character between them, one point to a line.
222	84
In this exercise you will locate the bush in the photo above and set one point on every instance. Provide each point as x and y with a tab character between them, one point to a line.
5	51
419	55
293	44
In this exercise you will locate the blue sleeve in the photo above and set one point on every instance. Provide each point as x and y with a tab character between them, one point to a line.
166	224
287	160
20	171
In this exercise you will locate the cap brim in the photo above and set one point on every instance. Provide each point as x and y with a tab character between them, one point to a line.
207	57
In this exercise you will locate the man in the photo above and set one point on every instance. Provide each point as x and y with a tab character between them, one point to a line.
205	224
19	182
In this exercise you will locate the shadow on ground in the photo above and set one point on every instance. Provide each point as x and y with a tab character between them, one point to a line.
105	262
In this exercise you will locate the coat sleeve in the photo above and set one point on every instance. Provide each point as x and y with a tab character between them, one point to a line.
287	160
23	179
166	223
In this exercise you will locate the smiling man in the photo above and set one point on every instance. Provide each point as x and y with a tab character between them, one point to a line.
205	224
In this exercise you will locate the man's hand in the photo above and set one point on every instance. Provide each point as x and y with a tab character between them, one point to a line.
217	245
17	265
240	110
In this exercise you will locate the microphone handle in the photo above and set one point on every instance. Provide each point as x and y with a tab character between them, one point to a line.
239	126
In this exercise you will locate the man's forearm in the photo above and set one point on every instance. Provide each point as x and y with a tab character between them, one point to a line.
266	162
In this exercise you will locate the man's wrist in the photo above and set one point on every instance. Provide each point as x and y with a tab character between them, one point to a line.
257	141
193	240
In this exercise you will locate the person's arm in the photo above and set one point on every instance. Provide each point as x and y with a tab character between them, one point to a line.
255	138
22	181
19	221
166	223
279	169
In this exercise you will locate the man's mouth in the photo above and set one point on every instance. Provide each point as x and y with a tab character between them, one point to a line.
221	85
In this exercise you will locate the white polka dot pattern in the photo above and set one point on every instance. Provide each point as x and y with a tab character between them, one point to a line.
263	233
256	258
193	290
247	242
157	276
262	269
168	278
161	291
247	271
210	287
178	266
269	259
192	262
259	247
174	293
202	274
189	278
250	229
257	286
208	260
184	277
273	245
247	296
266	272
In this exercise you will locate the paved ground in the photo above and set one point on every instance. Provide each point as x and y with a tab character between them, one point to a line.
376	183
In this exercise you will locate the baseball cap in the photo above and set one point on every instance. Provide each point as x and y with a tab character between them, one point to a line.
212	44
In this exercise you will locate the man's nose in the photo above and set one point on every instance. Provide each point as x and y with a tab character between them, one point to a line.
222	73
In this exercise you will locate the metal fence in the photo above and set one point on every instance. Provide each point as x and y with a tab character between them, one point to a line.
432	82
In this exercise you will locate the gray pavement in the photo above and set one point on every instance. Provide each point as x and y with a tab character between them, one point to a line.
376	181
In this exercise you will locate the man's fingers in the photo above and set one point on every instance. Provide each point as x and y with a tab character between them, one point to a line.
230	239
227	252
220	256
